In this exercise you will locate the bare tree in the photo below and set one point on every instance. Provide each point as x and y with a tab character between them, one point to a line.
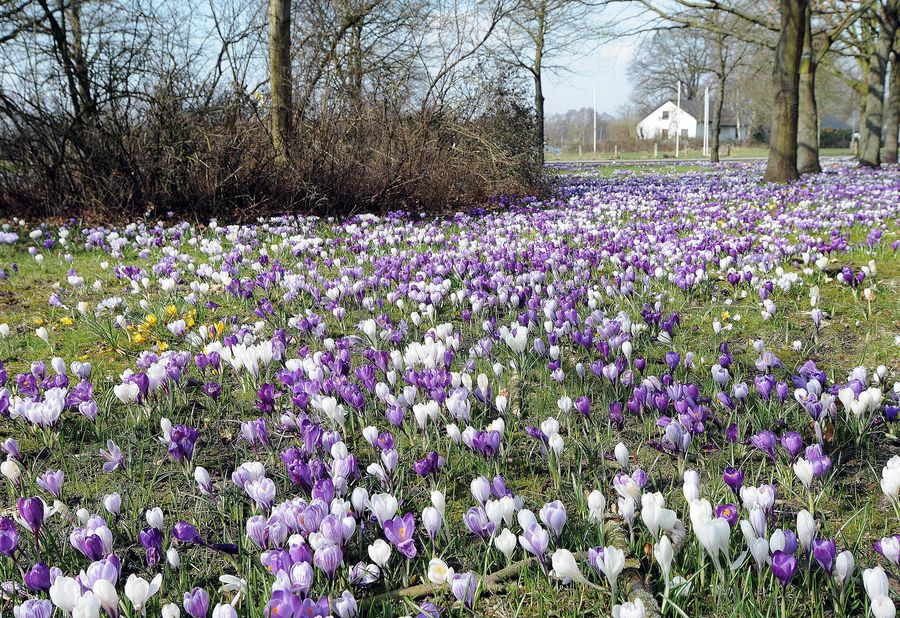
730	55
536	31
668	57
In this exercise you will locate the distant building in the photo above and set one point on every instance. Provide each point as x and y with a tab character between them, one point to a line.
663	122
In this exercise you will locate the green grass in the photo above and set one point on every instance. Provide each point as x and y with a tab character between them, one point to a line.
850	507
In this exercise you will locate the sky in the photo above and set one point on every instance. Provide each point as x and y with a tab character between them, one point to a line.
606	67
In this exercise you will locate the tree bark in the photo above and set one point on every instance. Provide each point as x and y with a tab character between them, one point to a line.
782	164
280	77
538	85
892	115
717	120
808	120
871	127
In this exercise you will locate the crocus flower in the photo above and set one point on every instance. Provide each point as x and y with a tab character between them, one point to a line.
399	531
181	442
734	478
33	608
196	603
51	481
31	510
825	552
553	514
535	541
783	567
463	586
112	455
9	536
328	558
151	539
186	533
37	578
765	441
792	442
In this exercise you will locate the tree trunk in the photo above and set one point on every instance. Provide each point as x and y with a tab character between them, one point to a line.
538	87
717	120
808	120
782	164
280	76
892	115
539	118
870	129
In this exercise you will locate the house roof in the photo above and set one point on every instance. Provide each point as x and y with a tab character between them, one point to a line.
695	109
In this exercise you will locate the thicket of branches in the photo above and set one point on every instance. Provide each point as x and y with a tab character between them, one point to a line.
115	108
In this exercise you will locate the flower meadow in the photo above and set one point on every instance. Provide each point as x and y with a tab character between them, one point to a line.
653	394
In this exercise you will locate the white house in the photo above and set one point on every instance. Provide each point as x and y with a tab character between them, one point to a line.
667	119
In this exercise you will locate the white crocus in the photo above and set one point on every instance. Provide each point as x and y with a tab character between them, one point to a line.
65	593
664	553
139	590
506	542
622	454
380	552
596	507
565	567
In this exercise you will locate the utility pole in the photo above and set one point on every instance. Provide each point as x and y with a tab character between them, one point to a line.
678	121
594	110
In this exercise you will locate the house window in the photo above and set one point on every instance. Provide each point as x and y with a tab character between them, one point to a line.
665	115
665	134
684	133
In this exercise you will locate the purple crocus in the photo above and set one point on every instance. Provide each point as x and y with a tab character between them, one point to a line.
792	442
213	390
731	433
825	551
196	603
463	587
672	360
765	441
31	510
51	482
428	610
553	514
186	533
535	541
11	447
151	540
284	603
328	558
34	608
477	522
734	478
429	465
112	456
784	565
583	405
399	531
181	442
728	512
37	578
9	536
